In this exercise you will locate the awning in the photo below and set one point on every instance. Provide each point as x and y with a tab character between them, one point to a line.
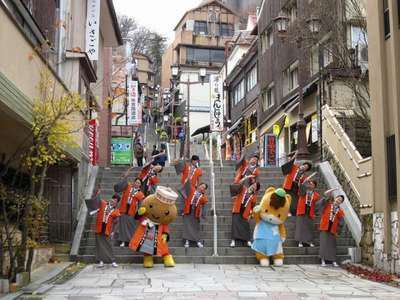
292	106
234	126
201	130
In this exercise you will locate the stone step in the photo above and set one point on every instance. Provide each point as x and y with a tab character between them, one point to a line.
225	251
225	242
289	260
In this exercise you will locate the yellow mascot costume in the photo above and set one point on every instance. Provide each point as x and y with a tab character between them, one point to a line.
152	234
270	231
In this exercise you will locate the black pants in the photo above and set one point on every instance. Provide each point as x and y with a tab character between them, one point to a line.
139	161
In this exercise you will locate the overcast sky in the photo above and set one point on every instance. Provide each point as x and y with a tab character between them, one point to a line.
157	15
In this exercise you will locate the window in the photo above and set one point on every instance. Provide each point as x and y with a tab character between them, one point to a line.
204	55
226	30
238	92
252	78
359	42
269	97
314	60
391	166
386	18
290	81
293	13
267	39
201	27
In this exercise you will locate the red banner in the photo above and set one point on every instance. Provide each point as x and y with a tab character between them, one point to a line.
92	132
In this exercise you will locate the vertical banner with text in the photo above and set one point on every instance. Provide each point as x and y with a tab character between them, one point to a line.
92	131
92	29
133	103
216	104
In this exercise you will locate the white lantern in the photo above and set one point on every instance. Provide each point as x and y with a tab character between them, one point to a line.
281	23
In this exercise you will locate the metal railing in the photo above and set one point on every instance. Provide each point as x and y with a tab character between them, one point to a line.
214	206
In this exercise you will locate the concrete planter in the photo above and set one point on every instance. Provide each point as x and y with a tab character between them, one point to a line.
355	255
4	286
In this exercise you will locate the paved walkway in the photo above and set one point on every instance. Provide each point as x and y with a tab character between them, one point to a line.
219	282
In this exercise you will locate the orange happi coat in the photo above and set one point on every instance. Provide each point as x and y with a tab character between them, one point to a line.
324	224
136	198
301	205
161	247
194	179
242	170
203	200
237	203
114	213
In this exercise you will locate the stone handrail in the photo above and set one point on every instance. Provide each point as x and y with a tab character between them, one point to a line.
82	215
358	171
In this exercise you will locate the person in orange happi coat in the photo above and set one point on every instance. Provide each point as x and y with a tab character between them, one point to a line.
193	211
245	168
107	213
294	176
305	227
132	197
190	172
149	177
243	204
332	219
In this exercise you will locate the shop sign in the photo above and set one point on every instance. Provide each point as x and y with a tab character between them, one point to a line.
121	151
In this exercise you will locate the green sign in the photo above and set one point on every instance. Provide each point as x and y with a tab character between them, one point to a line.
121	151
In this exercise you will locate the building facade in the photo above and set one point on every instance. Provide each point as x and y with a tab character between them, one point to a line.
145	75
26	27
200	38
384	52
242	92
299	61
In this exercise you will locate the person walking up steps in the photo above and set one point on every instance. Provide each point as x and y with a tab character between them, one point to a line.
243	204
332	219
305	227
193	211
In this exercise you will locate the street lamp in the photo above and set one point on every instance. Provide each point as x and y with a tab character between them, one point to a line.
174	71
282	26
314	25
282	23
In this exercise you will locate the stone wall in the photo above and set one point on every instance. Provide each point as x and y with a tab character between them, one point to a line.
388	262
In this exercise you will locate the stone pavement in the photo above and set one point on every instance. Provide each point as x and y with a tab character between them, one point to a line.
219	282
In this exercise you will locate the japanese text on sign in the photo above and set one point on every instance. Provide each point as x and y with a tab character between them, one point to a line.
216	105
92	29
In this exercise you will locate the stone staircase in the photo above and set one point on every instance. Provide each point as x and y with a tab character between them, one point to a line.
227	255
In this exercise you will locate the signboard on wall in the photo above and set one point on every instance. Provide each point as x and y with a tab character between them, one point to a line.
270	150
121	151
216	104
92	137
133	103
92	29
314	128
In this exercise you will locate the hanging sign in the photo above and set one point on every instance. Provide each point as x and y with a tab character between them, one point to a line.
276	129
133	103
92	132
314	128
270	153
216	104
92	29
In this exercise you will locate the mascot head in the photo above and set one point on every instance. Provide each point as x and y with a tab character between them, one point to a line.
160	207
275	205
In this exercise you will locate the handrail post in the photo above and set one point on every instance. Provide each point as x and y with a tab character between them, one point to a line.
214	208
